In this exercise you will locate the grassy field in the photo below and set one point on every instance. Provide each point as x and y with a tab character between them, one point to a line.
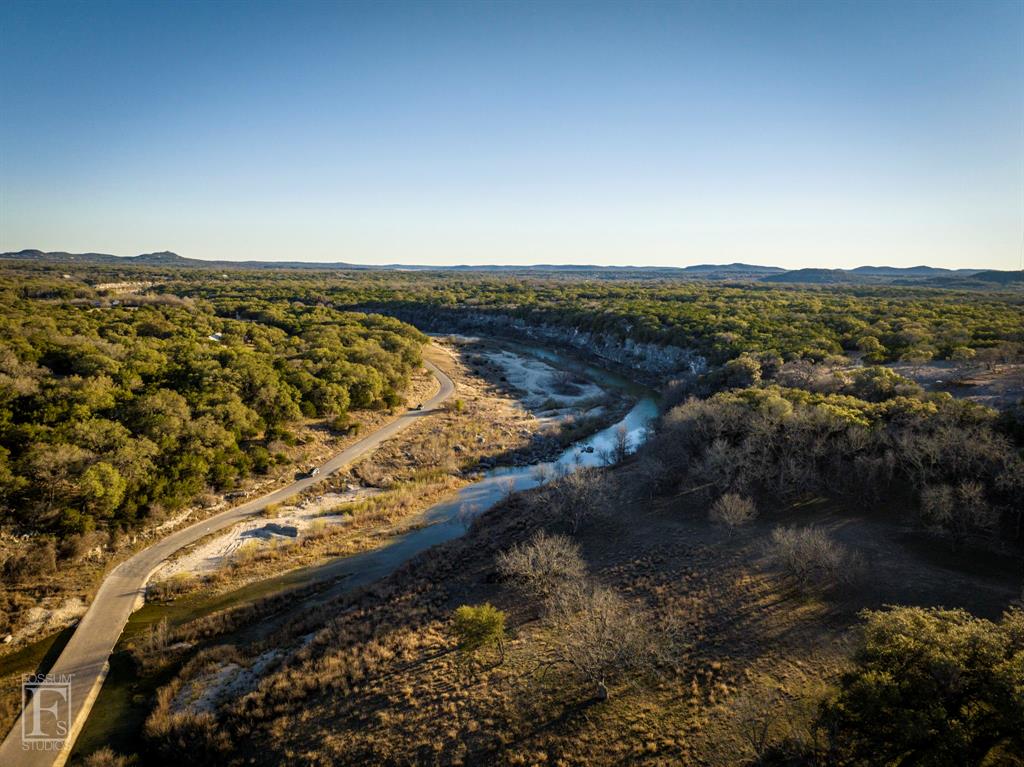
381	682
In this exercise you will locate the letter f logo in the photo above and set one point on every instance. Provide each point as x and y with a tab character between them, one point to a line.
54	701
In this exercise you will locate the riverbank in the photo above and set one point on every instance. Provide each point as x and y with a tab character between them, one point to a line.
374	676
511	409
119	722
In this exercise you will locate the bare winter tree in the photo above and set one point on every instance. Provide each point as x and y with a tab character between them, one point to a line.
937	506
598	636
620	447
565	383
719	465
581	496
958	511
542	565
757	721
618	450
508	488
812	558
975	508
652	473
732	511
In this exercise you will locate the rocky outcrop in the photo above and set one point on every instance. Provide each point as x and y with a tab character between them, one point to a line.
656	361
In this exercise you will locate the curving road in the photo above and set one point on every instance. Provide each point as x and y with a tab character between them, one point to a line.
84	659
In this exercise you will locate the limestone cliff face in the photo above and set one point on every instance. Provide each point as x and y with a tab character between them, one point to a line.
658	361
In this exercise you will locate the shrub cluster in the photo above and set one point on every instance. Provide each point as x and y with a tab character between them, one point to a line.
786	442
812	558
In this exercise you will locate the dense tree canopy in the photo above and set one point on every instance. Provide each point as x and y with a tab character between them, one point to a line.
932	687
723	321
117	400
110	408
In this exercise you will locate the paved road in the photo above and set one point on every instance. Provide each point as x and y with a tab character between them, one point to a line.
85	656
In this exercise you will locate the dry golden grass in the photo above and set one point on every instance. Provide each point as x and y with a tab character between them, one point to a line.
380	680
373	677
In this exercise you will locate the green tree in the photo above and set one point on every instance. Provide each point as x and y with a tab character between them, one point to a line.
53	468
962	354
742	372
870	345
476	627
102	488
162	416
877	384
932	687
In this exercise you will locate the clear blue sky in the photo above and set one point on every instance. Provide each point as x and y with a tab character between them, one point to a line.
799	134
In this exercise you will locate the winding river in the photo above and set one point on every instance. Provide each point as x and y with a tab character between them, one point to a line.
119	712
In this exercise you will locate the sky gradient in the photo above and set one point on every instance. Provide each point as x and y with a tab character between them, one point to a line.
794	134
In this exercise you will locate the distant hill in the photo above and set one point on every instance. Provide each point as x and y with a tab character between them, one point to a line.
166	258
813	276
927	276
163	258
988	278
921	276
909	271
1003	278
732	271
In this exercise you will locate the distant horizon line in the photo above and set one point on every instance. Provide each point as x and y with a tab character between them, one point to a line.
493	265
